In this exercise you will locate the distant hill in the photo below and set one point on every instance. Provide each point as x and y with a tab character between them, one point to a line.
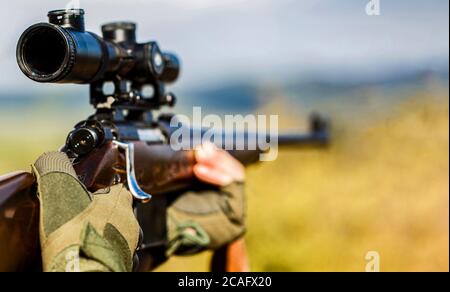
247	96
242	96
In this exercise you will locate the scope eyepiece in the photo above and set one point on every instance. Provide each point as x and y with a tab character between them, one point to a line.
171	68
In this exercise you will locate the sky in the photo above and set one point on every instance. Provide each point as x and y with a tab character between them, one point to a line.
244	39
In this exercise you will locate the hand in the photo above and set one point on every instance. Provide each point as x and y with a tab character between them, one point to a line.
81	231
217	167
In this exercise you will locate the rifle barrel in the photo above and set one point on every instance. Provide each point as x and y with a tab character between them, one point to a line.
304	140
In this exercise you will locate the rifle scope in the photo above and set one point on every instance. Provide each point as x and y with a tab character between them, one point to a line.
61	51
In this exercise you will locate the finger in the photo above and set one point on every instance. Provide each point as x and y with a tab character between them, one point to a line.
208	154
212	176
232	166
223	161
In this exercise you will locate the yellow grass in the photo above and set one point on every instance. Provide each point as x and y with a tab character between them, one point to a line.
383	186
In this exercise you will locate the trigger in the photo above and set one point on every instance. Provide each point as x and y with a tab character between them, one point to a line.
132	182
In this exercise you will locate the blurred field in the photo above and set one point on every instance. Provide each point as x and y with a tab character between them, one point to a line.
383	186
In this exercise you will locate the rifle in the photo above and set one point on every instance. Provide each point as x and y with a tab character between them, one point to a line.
122	141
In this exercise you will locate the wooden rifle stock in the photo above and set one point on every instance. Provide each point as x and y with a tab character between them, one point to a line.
19	221
159	169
